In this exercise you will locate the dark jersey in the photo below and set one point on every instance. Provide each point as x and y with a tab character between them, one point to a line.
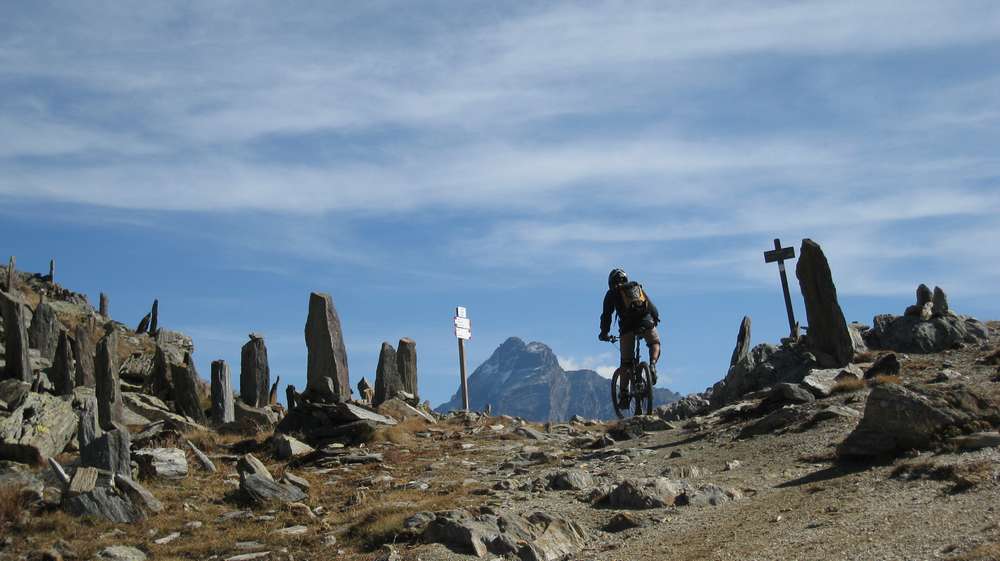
627	321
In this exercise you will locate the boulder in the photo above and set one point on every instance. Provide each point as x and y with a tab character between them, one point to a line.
63	375
120	552
400	410
162	463
912	334
222	393
784	394
287	447
536	537
18	361
774	421
886	365
44	331
708	495
256	418
327	372
654	492
828	331
742	350
110	410
406	368
83	356
255	373
154	409
897	419
107	503
834	412
571	480
13	392
40	427
138	495
187	401
263	490
111	452
764	367
687	407
822	381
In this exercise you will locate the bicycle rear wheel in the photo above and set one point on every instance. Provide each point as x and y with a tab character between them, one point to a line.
615	382
642	388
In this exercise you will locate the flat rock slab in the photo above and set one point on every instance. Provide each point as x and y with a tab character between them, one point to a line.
163	463
535	537
84	481
139	495
348	412
248	464
822	381
105	503
287	447
249	556
155	409
977	441
262	490
401	410
39	428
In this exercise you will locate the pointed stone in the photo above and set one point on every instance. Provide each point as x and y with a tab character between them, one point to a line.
203	460
406	366
387	382
742	349
154	318
88	427
222	393
327	371
291	397
272	396
110	452
11	274
143	325
63	375
939	303
16	339
828	331
161	379
59	472
186	400
83	355
103	308
255	374
110	411
44	332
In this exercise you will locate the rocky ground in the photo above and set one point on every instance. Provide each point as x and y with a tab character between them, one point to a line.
695	489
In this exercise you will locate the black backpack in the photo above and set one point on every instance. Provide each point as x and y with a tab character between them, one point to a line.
634	298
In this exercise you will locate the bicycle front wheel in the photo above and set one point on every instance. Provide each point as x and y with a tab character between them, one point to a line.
643	387
616	380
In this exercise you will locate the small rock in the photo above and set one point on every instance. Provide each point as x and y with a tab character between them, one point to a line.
571	480
249	556
948	375
287	447
248	464
193	525
292	531
121	553
295	480
731	465
167	538
622	521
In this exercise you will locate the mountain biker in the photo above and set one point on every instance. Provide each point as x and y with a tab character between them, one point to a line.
636	313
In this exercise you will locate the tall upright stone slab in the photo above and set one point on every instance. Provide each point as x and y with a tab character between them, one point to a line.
255	374
327	372
154	318
110	410
44	331
161	379
83	355
16	338
186	400
222	393
406	366
103	308
63	374
828	332
387	380
742	348
143	326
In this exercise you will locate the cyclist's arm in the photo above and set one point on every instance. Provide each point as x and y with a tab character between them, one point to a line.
653	310
609	308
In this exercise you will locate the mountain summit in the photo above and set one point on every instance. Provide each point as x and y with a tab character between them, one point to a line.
525	380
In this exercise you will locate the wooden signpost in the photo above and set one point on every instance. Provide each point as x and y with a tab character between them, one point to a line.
463	331
780	254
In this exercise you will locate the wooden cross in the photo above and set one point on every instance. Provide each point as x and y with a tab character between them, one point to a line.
780	254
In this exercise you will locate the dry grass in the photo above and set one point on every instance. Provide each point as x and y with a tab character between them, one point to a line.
401	434
883	379
848	385
866	356
962	476
376	522
985	552
209	441
12	506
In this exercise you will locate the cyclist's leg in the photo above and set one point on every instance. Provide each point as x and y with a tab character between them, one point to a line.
653	343
626	342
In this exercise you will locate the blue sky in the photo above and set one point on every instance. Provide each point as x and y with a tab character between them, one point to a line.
408	157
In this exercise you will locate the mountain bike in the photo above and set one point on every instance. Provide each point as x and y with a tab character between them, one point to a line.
639	380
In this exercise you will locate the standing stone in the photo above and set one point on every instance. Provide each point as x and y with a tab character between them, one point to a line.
387	382
924	308
103	309
143	325
406	366
939	303
186	400
291	397
44	331
63	374
272	396
111	451
365	391
255	374
222	393
11	274
52	271
83	355
161	379
154	318
828	331
327	371
742	349
110	411
88	429
16	340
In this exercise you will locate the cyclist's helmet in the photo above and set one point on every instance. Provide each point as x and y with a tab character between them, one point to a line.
617	278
